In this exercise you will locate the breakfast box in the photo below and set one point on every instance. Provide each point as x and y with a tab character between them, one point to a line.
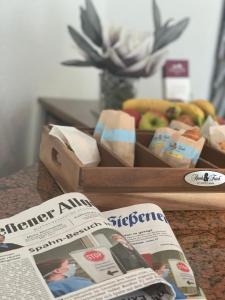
113	184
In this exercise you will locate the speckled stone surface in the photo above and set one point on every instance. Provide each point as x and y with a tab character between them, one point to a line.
202	237
19	191
200	233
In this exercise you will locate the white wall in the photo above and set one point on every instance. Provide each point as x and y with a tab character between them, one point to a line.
34	41
197	44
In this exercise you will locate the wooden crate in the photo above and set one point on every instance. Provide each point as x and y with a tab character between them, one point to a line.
113	184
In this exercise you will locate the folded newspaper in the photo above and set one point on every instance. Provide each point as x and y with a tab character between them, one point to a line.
66	248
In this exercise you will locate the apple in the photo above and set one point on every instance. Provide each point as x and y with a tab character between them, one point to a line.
134	113
152	120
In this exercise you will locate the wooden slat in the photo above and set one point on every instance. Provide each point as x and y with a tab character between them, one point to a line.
144	138
144	158
202	163
167	201
141	180
109	159
214	156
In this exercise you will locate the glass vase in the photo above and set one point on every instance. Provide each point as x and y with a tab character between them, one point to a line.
114	90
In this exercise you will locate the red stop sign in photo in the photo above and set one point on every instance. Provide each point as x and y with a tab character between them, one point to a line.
181	266
94	255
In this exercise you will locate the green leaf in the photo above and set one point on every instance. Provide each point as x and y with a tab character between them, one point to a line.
166	25
158	36
167	35
84	45
88	29
77	63
156	16
91	24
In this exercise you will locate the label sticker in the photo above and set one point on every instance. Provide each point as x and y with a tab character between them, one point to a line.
94	255
205	178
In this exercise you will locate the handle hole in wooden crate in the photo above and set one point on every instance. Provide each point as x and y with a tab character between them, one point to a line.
55	157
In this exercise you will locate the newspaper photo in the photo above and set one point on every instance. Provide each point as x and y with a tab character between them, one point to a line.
66	248
147	229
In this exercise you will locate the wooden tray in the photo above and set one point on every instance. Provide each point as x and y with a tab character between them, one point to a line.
118	185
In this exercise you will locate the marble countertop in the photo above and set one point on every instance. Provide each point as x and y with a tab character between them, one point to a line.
200	233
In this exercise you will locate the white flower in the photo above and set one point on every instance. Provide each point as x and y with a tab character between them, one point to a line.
130	52
121	52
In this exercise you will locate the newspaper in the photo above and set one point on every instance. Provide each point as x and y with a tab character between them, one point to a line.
65	248
147	229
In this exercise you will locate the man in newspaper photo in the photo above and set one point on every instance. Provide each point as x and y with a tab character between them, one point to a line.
7	246
125	254
60	277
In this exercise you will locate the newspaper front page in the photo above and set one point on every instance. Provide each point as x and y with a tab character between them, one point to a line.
66	249
147	229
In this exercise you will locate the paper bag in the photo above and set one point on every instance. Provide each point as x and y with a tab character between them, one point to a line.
84	146
116	131
206	127
179	149
160	141
103	122
217	137
178	125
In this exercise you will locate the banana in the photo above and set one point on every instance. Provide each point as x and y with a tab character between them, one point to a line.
144	105
206	106
193	110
